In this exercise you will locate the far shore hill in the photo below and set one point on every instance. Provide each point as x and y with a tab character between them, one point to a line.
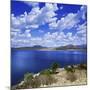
67	47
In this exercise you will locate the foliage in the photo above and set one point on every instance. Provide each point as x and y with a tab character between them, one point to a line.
46	80
69	69
82	66
28	77
29	81
46	72
70	75
54	67
36	82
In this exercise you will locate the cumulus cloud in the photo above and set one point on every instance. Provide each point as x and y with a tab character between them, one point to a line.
66	22
21	24
33	4
70	20
35	17
83	11
82	32
51	39
24	24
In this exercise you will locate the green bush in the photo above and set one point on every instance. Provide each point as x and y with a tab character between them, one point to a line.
46	72
28	78
82	66
70	69
54	67
70	73
46	77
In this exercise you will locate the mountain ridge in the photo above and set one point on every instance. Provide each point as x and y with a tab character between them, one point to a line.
38	47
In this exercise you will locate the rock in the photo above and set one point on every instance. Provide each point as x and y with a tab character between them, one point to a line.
21	83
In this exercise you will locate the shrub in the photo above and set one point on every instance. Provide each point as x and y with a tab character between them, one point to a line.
36	82
70	75
54	67
46	72
69	69
46	79
28	78
82	66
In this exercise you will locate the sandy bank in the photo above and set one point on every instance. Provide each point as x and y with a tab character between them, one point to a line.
81	78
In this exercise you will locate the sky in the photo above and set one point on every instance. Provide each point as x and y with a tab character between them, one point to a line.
47	24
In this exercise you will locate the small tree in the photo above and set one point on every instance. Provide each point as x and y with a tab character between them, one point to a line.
54	67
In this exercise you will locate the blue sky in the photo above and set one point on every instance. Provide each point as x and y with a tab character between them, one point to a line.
47	24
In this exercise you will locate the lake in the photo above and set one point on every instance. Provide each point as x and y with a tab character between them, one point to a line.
23	61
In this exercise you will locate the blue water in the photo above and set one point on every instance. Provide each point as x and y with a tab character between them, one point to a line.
23	61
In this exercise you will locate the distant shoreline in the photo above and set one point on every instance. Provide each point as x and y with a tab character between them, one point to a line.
42	48
50	49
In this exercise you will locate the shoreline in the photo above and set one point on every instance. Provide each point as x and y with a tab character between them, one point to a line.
52	49
62	81
61	78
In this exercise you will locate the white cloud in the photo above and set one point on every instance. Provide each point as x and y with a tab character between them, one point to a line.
34	26
49	39
83	11
51	7
82	27
82	32
15	22
41	31
33	4
35	17
21	27
27	33
70	20
67	22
